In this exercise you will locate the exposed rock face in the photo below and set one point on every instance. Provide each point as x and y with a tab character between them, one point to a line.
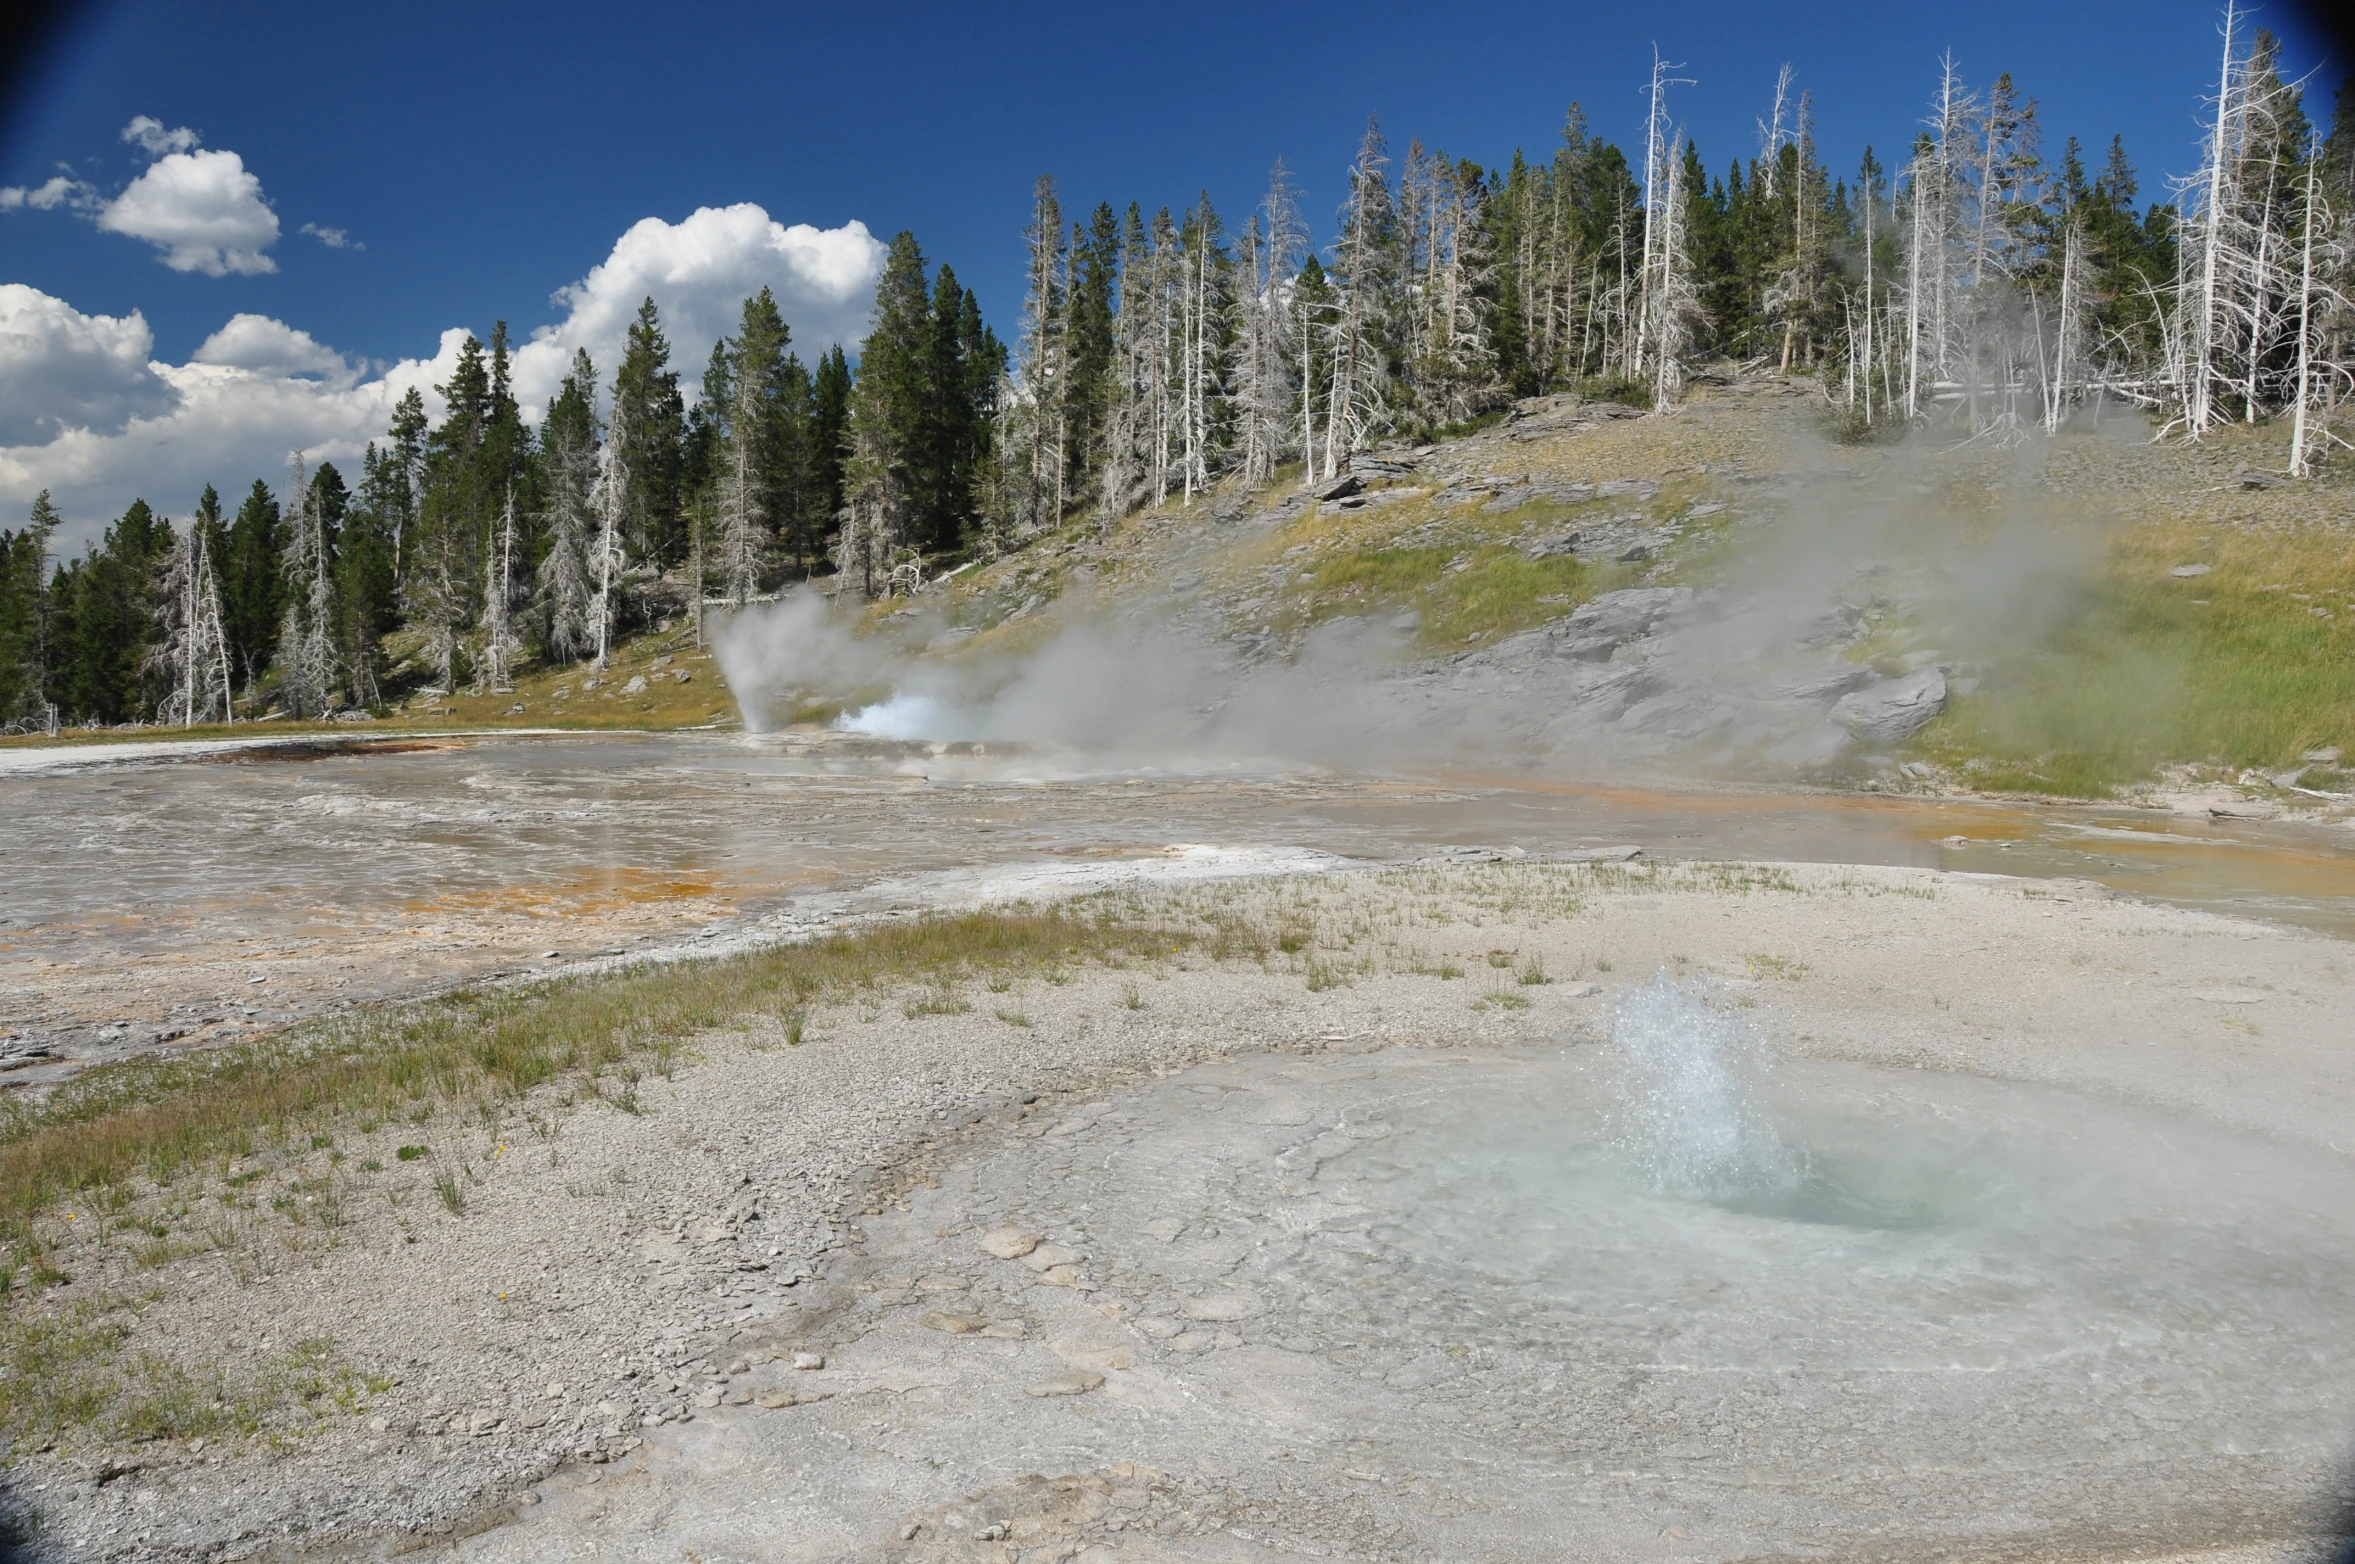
1600	627
1390	463
1894	709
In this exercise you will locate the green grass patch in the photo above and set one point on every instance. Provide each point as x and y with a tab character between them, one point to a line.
1463	595
2251	664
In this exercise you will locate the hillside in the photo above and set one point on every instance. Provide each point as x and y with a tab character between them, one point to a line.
1590	588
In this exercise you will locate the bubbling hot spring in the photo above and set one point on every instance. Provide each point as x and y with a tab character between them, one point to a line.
1799	1302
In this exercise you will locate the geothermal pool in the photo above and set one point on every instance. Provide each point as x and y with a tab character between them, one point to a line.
1708	1307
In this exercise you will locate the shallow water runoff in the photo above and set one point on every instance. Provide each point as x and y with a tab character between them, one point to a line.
257	886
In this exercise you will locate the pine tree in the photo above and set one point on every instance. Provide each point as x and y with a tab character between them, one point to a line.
508	468
103	625
367	596
982	362
1086	392
567	590
829	440
404	478
444	581
253	583
881	533
647	404
24	616
1125	458
748	383
942	467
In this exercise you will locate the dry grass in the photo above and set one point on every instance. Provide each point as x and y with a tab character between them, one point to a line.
144	1122
129	1145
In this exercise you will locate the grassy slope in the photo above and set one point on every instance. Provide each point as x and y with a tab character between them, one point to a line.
2138	676
2251	665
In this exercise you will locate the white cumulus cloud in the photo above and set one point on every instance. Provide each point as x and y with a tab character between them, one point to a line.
271	347
86	414
59	191
148	133
255	391
203	210
699	271
61	369
333	238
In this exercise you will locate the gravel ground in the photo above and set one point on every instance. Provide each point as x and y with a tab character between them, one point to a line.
886	1295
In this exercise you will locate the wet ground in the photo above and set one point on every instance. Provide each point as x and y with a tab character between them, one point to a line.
166	901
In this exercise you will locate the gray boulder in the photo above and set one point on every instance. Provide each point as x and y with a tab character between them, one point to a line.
1893	709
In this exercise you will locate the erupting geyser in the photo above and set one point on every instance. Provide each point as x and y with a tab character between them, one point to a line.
1687	1115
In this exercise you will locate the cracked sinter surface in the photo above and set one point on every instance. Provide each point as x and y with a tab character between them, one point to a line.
1428	1289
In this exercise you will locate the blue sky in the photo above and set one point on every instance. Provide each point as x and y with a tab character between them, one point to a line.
477	159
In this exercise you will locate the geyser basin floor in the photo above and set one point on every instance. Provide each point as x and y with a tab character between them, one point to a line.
1425	1285
2073	1282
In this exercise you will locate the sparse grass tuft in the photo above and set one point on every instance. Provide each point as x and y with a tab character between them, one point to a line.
1782	968
72	1372
148	1119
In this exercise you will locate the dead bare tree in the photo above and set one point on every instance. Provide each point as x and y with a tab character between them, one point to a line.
1262	379
2323	252
191	656
498	603
1364	257
1659	150
306	643
613	504
1675	307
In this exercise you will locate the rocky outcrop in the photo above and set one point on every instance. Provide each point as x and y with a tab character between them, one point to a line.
1894	709
1598	628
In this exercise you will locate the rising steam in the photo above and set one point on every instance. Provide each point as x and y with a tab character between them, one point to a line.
1827	598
